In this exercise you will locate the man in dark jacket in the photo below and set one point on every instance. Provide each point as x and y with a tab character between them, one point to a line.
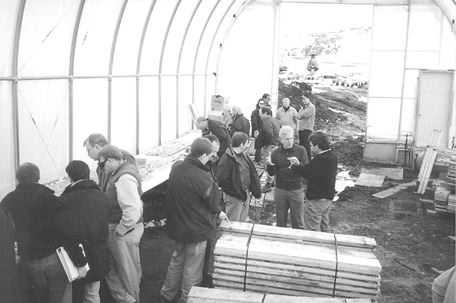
321	173
240	123
35	211
193	199
257	123
218	129
85	222
8	272
237	176
270	139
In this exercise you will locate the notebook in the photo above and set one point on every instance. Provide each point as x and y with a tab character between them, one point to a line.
70	269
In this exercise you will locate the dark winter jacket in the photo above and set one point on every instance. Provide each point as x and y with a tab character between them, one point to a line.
192	200
85	221
34	209
229	176
219	130
8	272
271	128
257	125
240	124
321	173
286	178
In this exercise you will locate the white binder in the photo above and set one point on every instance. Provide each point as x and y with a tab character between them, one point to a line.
70	269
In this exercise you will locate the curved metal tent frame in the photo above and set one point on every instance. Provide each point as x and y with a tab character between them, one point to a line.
186	64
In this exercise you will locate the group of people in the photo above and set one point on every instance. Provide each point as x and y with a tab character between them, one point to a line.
96	224
101	224
217	180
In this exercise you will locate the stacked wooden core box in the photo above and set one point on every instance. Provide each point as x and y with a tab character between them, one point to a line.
276	260
211	295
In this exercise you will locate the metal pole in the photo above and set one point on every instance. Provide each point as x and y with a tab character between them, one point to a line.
210	49
15	107
160	70
111	64
197	50
403	76
275	53
228	30
70	82
138	68
179	61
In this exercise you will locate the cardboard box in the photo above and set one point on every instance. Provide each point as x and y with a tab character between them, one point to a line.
215	115
217	103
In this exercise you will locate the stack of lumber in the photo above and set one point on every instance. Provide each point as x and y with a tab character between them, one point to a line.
211	295
295	262
428	161
444	196
451	175
441	198
452	203
451	184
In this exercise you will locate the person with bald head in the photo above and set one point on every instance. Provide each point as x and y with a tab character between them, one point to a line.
287	115
35	211
240	123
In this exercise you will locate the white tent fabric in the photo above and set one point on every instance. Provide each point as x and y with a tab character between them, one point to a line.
130	68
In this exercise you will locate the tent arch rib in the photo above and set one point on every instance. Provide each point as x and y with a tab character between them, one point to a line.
181	53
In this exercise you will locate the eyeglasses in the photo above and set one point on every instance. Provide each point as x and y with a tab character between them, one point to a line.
101	164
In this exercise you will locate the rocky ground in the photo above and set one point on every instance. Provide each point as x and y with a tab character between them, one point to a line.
412	246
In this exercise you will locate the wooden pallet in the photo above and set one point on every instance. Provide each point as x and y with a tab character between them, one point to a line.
299	262
207	295
299	235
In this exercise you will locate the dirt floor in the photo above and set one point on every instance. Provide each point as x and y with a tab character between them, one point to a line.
411	246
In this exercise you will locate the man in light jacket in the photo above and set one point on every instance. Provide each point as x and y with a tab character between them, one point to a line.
125	224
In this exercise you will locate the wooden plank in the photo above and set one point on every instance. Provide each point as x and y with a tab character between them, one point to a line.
292	292
391	191
302	255
427	173
228	263
427	154
270	298
298	234
240	271
251	276
283	282
371	180
393	173
203	295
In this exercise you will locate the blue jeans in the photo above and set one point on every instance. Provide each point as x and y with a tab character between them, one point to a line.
185	270
292	200
237	210
48	279
316	214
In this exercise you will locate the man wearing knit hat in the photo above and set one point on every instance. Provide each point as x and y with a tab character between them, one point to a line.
86	223
35	211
